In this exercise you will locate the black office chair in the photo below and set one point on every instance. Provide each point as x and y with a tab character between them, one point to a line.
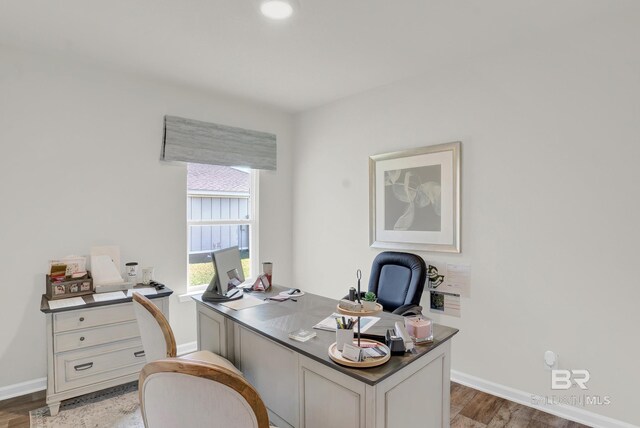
398	280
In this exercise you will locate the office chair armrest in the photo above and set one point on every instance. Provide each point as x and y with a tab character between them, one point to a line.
408	310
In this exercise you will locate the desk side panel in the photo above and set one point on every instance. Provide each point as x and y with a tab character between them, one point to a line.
328	398
418	395
272	369
212	331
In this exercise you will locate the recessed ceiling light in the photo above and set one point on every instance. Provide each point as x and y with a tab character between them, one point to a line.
276	9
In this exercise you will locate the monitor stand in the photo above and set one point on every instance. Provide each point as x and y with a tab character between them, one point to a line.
214	292
212	296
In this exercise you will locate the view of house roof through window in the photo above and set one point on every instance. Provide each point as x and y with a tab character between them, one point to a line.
215	178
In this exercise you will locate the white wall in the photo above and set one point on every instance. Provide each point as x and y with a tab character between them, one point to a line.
79	167
549	207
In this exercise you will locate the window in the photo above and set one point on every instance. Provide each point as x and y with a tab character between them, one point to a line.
221	213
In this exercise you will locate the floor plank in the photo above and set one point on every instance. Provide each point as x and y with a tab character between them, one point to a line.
482	408
461	395
14	412
454	411
542	419
512	415
464	422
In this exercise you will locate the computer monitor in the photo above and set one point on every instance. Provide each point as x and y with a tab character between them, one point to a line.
227	272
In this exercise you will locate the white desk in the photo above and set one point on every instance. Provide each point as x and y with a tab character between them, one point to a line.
302	387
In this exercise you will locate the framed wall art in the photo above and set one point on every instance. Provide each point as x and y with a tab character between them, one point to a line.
414	199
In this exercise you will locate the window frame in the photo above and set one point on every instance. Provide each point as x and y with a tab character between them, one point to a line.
252	222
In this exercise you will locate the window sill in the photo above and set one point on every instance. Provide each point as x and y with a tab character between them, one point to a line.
186	297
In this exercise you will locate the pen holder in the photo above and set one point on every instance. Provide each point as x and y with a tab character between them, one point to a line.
343	336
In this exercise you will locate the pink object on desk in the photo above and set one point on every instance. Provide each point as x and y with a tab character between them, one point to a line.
419	328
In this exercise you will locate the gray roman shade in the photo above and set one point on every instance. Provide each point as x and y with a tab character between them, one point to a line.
189	140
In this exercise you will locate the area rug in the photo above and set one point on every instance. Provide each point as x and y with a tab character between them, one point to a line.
113	407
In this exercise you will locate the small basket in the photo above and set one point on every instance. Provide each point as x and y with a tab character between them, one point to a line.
69	288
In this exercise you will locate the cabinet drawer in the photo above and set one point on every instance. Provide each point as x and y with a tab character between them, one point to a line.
84	318
74	369
83	338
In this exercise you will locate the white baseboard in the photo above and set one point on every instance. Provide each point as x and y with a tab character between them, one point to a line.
23	388
561	410
187	348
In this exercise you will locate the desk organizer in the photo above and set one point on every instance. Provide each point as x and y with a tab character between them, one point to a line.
336	356
69	288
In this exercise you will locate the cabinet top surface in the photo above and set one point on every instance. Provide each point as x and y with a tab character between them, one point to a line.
89	301
275	320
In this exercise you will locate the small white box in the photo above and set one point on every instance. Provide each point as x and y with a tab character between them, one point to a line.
108	288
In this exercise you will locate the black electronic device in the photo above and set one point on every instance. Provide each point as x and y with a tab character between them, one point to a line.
157	285
395	343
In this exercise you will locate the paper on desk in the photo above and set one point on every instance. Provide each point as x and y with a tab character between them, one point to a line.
329	323
244	303
66	303
144	291
104	297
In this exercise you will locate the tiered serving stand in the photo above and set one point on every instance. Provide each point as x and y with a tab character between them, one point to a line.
336	355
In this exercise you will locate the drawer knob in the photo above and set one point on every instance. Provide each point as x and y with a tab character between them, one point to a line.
85	366
82	339
81	319
138	354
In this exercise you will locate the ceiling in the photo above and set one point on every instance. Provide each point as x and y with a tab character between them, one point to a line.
331	49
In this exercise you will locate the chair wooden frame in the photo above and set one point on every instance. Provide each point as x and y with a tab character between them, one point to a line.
211	372
169	338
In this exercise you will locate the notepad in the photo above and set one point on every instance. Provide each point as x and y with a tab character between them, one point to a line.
66	303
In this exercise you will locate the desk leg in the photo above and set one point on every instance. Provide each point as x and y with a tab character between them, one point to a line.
54	408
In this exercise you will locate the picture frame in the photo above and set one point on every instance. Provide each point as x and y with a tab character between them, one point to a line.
414	199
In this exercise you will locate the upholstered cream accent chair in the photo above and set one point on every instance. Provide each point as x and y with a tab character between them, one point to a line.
184	393
158	340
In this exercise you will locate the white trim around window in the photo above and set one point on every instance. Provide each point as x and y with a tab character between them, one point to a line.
252	222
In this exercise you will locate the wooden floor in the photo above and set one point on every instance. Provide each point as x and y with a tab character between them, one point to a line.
469	408
14	412
475	409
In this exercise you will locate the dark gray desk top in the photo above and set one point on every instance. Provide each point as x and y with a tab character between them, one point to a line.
276	319
90	303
